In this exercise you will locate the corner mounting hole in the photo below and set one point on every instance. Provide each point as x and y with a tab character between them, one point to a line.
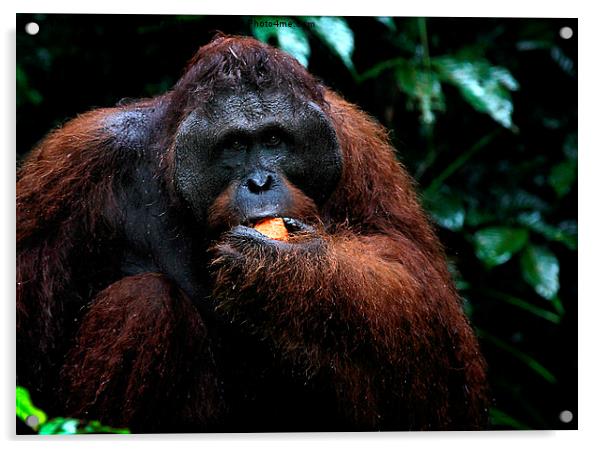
32	421
566	32
566	416
32	28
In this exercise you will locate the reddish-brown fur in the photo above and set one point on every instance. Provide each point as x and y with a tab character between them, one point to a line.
146	335
369	313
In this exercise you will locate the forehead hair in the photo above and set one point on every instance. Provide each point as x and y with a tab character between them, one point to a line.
234	64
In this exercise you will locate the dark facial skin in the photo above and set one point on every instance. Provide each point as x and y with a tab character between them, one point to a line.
249	147
249	154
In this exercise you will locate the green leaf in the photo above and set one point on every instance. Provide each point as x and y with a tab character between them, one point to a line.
423	87
459	281
26	408
562	177
570	147
557	304
518	200
337	36
565	232
446	209
496	245
389	22
56	426
25	93
502	419
525	305
70	426
459	162
563	60
60	426
97	427
380	67
568	229
540	270
477	217
291	39
520	355
484	86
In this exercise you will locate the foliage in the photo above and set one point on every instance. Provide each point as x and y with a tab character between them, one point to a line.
290	39
38	421
70	426
483	112
26	409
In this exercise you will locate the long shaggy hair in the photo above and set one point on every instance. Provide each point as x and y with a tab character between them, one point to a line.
369	316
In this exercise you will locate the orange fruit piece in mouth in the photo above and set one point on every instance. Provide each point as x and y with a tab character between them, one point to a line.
273	228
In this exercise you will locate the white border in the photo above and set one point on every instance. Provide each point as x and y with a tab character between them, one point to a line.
590	258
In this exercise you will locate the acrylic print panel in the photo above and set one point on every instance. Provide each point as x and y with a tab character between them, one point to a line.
295	223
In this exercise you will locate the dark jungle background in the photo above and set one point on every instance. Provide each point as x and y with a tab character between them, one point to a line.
483	113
